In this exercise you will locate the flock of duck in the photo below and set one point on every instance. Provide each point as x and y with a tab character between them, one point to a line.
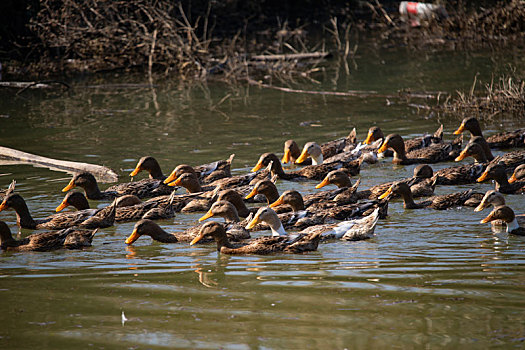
342	213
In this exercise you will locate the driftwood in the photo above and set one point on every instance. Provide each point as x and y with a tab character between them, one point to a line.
9	156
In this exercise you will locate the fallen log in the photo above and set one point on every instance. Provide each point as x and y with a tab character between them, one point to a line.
291	56
9	156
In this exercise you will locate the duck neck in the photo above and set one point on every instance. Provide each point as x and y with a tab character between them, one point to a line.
408	200
486	148
193	187
162	236
242	209
23	216
317	160
231	216
92	191
156	173
513	225
277	168
399	155
502	183
223	241
475	130
271	194
276	227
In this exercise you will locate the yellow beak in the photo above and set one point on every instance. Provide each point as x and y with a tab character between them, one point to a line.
196	239
489	218
133	237
176	182
208	215
461	156
513	178
323	183
286	157
279	201
460	129
170	178
62	205
69	186
3	206
369	138
136	171
483	177
252	223
481	206
258	166
302	157
252	193
384	195
383	148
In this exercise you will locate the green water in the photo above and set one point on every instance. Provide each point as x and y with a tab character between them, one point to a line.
427	279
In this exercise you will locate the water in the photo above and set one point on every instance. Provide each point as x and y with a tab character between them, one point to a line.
427	279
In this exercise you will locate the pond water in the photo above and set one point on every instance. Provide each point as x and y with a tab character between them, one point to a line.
428	279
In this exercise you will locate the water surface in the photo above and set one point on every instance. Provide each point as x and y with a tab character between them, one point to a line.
427	279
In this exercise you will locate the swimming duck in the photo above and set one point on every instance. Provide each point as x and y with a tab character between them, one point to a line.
422	184
86	219
475	150
518	174
292	153
432	154
261	246
227	210
89	184
496	172
266	188
150	165
80	202
506	214
375	134
493	197
510	139
69	238
315	172
442	202
347	230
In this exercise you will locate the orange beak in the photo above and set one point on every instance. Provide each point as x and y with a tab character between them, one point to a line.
323	183
369	138
483	177
176	182
3	206
279	201
513	178
170	178
488	218
383	148
460	129
286	157
62	205
252	193
133	237
481	206
137	170
196	239
69	186
208	215
302	157
384	195
461	156
258	166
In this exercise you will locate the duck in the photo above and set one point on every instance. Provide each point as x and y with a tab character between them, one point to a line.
80	202
313	151
423	183
432	154
128	207
471	124
150	165
375	134
227	210
506	214
69	238
475	150
88	183
442	202
266	188
496	172
292	153
510	139
259	246
100	218
314	172
496	199
346	230
518	174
